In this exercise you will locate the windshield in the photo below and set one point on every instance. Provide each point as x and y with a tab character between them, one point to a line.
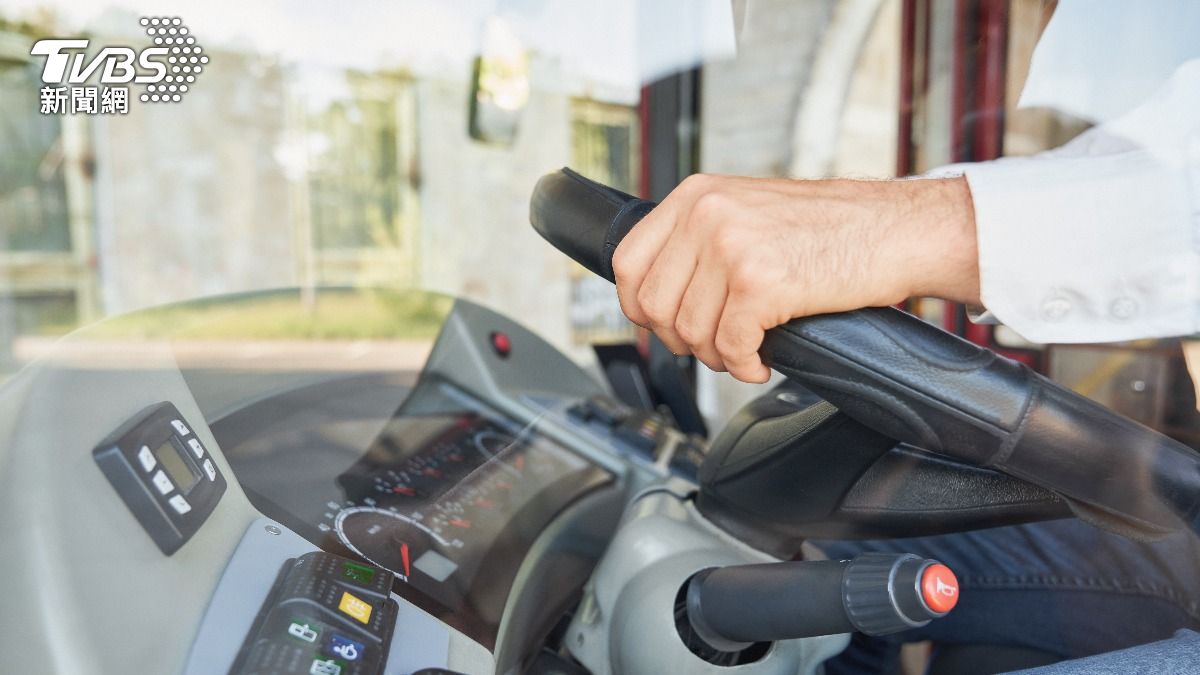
311	151
321	145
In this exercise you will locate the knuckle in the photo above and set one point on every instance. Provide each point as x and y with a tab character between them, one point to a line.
691	329
653	308
709	207
622	263
729	345
655	315
744	275
687	329
695	181
726	243
629	310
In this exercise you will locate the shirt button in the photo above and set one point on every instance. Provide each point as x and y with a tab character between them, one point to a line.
1054	309
1123	308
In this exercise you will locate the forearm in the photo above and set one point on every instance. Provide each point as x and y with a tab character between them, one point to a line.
936	237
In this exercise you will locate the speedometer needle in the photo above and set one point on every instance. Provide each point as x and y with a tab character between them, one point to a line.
404	557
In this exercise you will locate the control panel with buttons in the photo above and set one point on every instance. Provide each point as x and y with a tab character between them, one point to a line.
640	432
325	615
164	474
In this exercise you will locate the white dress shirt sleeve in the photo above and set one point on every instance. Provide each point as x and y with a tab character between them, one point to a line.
1098	240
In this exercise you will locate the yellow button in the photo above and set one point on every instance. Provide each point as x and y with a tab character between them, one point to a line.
355	607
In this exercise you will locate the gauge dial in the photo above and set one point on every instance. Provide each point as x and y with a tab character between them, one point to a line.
388	539
492	443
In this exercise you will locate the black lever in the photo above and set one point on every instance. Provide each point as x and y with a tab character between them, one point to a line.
915	383
731	608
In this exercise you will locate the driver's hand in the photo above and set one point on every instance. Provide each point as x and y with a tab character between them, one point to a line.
722	258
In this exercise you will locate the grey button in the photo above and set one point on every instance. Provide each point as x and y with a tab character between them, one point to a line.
1054	309
210	469
1123	308
180	427
147	459
197	449
163	483
180	504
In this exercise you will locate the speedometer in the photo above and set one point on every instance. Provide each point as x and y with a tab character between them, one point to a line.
393	541
491	443
449	495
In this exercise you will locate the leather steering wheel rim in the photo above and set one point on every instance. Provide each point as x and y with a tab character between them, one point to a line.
920	385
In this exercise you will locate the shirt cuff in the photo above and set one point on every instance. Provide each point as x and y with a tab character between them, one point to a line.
1090	249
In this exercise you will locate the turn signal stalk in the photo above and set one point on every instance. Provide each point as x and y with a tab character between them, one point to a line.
874	593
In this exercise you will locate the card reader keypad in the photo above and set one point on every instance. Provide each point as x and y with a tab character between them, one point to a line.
326	615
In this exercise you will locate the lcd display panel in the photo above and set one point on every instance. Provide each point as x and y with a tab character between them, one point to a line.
177	467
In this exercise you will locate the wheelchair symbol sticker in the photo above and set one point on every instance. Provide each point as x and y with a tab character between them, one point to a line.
346	648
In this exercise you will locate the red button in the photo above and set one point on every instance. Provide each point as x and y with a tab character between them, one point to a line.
939	588
501	343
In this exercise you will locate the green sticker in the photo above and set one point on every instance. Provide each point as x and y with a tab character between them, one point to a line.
359	573
304	630
322	666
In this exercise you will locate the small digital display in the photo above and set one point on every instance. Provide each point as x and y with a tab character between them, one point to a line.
177	467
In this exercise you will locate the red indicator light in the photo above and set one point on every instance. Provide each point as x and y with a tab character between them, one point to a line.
459	522
404	490
501	343
939	588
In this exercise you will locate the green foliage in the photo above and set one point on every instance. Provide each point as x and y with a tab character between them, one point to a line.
331	315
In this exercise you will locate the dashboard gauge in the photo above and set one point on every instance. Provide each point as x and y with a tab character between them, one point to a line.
449	496
388	539
492	443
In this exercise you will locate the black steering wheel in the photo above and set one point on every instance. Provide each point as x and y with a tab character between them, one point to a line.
916	384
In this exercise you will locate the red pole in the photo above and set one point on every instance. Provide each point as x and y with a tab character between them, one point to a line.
993	52
987	128
644	143
908	46
962	39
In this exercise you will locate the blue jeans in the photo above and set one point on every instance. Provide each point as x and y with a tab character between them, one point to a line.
1064	588
1179	654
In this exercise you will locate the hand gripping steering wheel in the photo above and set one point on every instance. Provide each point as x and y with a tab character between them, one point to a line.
919	385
